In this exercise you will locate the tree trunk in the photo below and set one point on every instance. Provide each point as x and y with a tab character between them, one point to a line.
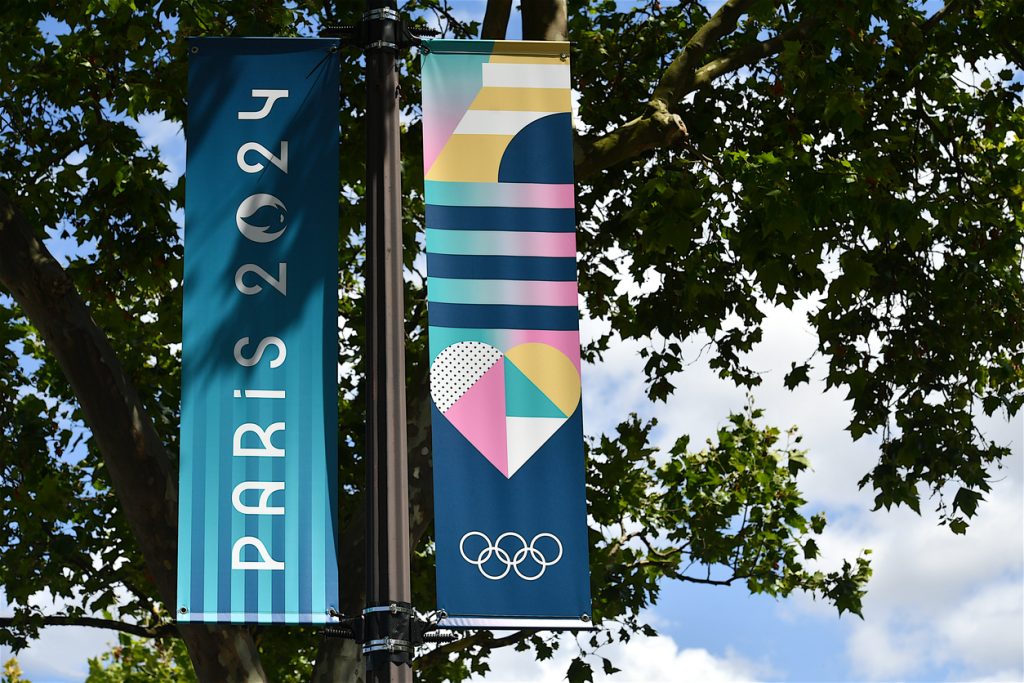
496	19
139	466
339	661
545	20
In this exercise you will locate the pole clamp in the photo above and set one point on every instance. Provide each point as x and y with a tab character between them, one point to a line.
385	13
390	645
383	28
390	634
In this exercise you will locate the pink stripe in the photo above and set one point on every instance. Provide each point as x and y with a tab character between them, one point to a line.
545	243
544	196
539	293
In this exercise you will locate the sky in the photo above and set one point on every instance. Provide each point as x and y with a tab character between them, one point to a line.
940	607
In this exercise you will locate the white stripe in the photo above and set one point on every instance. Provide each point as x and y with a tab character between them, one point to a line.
489	122
516	623
526	76
252	617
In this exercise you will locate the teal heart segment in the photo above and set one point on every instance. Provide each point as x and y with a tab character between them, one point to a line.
523	398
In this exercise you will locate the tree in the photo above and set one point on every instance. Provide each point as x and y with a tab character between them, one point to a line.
761	153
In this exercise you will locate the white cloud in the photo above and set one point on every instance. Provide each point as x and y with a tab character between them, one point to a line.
61	653
156	131
937	602
642	660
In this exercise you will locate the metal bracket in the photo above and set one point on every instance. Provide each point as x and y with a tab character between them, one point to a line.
385	13
380	29
388	645
388	633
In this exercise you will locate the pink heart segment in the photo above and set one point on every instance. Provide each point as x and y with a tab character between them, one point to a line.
506	405
480	416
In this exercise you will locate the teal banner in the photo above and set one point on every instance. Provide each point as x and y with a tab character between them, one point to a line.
258	491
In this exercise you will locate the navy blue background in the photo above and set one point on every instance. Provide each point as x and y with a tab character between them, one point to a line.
546	495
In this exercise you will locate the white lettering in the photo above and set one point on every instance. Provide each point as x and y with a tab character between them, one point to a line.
280	283
282	352
261	234
265	561
271	96
267	449
260	393
266	488
280	161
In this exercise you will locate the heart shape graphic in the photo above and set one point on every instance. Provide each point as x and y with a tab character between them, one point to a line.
508	404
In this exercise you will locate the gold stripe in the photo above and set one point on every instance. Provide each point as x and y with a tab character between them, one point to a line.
530	47
470	159
523	99
552	60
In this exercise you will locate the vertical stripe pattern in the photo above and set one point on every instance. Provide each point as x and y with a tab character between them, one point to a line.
257	536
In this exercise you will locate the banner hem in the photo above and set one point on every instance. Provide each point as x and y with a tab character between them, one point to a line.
515	623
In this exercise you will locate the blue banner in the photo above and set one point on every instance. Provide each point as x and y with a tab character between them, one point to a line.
258	494
509	490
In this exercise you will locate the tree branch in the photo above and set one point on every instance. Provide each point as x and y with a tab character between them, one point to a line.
659	126
653	129
162	631
677	79
935	19
749	55
481	638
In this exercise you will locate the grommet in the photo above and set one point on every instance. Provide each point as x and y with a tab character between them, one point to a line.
585	618
183	610
194	49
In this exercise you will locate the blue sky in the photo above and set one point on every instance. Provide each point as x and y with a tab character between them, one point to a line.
940	607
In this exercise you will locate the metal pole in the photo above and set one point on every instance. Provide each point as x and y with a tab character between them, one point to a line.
387	490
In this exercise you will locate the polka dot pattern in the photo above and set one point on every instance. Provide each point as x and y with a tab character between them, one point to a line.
457	369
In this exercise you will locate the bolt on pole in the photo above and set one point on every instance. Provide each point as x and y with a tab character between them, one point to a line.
388	592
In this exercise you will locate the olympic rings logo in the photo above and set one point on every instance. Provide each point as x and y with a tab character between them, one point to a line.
510	559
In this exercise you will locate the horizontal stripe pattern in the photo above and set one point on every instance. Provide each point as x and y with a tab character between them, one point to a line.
491	122
503	218
501	267
508	292
547	100
501	243
504	317
526	75
534	195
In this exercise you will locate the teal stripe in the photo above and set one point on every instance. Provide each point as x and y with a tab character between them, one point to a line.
238	467
455	291
292	496
479	47
185	476
512	195
318	510
468	242
264	467
212	453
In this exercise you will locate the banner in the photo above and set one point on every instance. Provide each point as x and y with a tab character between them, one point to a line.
258	494
509	490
